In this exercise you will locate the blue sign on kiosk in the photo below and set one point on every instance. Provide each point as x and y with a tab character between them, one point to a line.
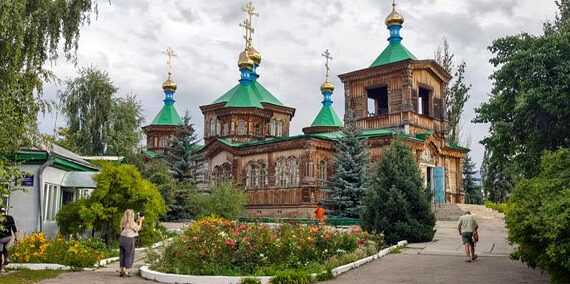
28	180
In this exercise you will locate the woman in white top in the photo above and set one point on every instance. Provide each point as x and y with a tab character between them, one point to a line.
129	230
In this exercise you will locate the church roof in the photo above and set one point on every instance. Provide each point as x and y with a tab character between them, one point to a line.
394	52
251	95
167	116
327	117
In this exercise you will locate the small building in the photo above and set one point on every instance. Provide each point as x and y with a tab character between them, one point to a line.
54	176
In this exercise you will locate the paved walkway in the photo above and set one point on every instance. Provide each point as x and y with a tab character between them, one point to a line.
442	261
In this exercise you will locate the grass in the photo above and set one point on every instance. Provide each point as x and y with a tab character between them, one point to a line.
27	276
397	250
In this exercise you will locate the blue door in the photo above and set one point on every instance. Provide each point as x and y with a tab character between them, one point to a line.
439	185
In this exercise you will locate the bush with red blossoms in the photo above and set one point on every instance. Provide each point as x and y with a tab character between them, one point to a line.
214	246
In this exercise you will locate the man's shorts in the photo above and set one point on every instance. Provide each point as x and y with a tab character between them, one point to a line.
467	238
4	242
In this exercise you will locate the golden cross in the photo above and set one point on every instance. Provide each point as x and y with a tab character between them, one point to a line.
248	28
328	57
250	10
170	53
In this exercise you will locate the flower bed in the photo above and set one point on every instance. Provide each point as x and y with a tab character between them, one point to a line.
213	246
36	248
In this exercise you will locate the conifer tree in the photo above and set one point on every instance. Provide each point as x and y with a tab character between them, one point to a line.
472	189
397	203
349	183
181	155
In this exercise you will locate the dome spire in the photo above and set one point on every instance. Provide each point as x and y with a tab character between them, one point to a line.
394	22
169	86
327	87
249	58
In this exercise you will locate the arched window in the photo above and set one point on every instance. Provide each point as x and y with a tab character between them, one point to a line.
322	172
272	127
163	141
280	173
216	175
292	172
262	175
155	141
212	127
218	127
252	176
257	129
226	129
226	172
279	128
241	128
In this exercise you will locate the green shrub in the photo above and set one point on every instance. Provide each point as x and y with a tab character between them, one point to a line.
501	207
291	277
397	203
226	200
538	219
249	280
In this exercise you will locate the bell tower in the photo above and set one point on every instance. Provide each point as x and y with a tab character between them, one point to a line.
398	91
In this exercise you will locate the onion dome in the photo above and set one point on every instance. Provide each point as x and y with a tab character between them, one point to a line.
327	86
253	54
169	85
394	18
245	62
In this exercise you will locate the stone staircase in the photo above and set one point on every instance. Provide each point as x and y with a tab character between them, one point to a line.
452	211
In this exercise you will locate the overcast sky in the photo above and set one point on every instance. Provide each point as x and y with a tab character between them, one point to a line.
127	37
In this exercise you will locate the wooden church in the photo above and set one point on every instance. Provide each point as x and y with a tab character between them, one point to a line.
246	130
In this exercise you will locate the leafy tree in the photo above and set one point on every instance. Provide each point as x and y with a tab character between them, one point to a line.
457	94
87	102
99	122
226	200
182	155
397	202
538	219
529	107
498	177
125	122
470	182
349	183
31	33
118	188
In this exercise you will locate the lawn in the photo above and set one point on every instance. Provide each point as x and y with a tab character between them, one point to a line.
27	276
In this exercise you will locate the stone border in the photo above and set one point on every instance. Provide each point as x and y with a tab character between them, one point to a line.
55	266
180	278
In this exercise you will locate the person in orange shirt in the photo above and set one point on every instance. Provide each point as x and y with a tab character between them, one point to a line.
320	212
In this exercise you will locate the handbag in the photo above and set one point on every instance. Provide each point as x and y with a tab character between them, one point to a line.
475	236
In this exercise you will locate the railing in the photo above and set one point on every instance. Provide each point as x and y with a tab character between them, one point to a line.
337	222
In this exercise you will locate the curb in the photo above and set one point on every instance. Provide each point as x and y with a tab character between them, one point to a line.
146	273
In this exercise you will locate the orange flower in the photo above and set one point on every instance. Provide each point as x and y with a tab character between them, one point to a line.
327	236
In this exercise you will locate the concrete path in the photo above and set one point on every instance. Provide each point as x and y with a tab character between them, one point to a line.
442	261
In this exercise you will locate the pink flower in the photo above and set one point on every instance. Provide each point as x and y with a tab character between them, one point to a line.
219	247
341	243
361	240
194	239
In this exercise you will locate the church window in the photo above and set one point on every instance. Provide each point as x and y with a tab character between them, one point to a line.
280	172
212	127
226	129
272	127
377	101
279	128
423	102
292	172
155	143
216	175
218	127
226	172
322	172
163	141
257	129
241	128
262	175
252	176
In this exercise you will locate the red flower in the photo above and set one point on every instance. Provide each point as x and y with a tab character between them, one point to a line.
361	240
206	252
341	243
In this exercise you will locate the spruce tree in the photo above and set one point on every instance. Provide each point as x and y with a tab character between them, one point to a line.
397	203
472	189
349	183
181	154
